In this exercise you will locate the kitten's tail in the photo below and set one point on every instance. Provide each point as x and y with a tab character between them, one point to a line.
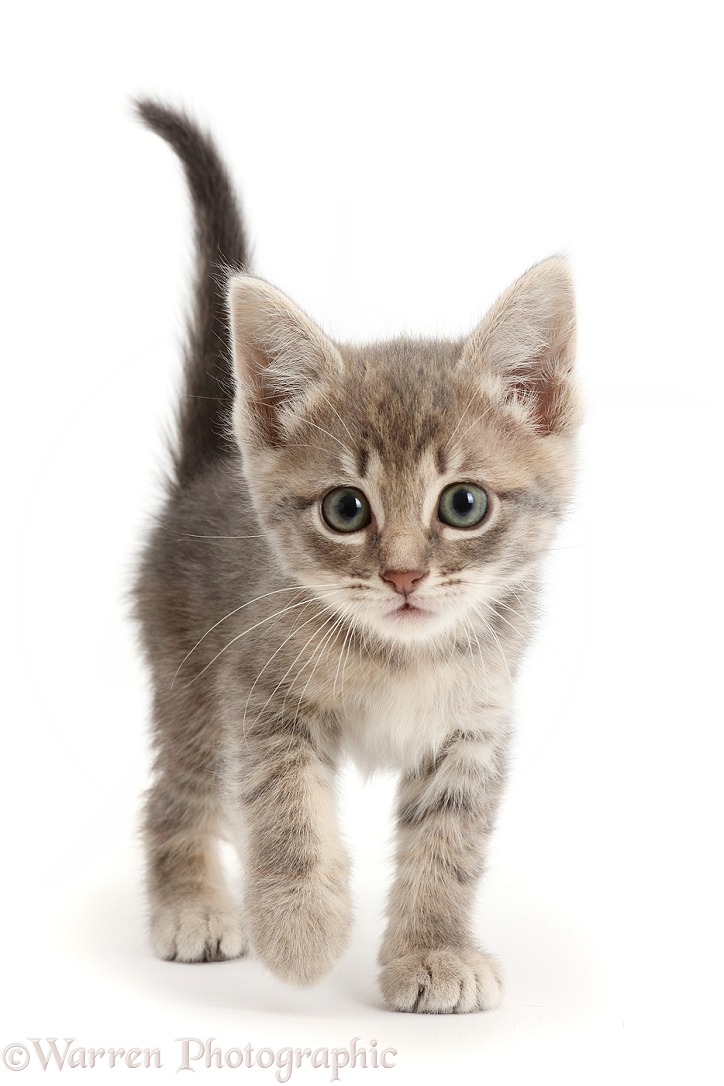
220	244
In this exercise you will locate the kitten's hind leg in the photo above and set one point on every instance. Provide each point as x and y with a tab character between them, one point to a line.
193	915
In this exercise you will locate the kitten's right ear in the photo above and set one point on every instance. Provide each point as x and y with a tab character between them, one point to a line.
279	356
527	344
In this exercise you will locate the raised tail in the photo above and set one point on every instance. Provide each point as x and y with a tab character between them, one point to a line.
220	244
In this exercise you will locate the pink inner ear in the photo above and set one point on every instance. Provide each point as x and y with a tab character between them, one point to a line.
549	405
266	406
527	340
263	401
545	396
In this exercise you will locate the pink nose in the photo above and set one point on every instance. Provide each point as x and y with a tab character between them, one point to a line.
404	581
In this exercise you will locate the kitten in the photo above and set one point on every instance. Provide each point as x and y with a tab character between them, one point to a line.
345	566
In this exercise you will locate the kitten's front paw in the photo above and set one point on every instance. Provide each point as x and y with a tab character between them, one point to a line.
442	981
299	925
198	930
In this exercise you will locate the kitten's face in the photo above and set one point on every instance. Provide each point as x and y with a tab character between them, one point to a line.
408	493
410	484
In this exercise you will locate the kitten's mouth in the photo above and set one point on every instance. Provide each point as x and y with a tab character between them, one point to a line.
408	612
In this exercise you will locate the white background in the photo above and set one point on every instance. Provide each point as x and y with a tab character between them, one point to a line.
400	164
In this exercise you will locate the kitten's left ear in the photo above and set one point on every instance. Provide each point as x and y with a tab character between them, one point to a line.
527	343
280	356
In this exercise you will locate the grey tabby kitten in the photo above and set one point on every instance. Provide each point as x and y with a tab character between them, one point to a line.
345	566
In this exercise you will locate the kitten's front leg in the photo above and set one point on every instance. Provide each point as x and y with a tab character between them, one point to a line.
297	898
445	816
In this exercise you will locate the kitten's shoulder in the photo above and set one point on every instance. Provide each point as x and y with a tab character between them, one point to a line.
205	536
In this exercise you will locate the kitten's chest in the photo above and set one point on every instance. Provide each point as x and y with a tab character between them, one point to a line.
394	719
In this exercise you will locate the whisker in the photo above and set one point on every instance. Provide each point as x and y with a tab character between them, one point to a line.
506	620
347	639
265	595
346	448
523	618
463	413
319	653
276	688
473	423
489	630
283	611
482	659
192	535
330	404
276	652
316	653
468	626
301	445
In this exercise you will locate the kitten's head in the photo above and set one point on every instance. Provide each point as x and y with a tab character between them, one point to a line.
411	483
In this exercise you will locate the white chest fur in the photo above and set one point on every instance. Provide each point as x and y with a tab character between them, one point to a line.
396	718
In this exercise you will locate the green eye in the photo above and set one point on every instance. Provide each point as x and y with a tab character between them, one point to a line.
346	510
462	505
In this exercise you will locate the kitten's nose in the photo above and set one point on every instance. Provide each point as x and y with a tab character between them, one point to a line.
404	581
